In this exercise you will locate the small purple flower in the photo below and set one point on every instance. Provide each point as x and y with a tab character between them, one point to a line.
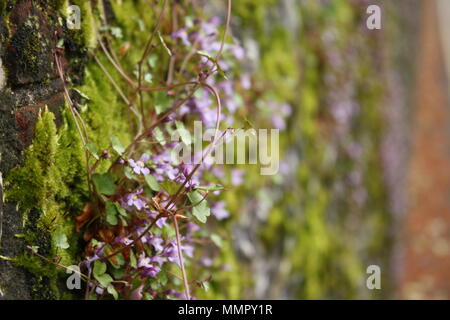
182	35
246	81
123	240
210	27
171	251
149	267
133	199
156	242
237	51
219	211
192	227
139	166
237	177
206	262
161	221
99	290
278	122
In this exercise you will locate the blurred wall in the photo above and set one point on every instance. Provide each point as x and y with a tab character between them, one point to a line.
425	247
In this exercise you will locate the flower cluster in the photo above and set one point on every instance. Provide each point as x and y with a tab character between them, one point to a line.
152	206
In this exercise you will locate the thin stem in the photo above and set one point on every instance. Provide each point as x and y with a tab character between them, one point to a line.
141	62
75	116
180	257
219	53
83	276
114	63
122	95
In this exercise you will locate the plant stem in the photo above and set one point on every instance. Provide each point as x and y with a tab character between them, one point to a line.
180	256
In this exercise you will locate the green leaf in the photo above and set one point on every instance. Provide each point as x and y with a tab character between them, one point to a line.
217	240
113	291
104	183
117	145
201	211
133	262
121	210
129	173
159	136
117	261
34	248
104	279
148	296
152	60
155	285
205	285
99	268
162	278
152	183
124	222
118	273
111	213
209	188
93	149
116	32
61	240
162	102
170	186
148	77
184	133
60	44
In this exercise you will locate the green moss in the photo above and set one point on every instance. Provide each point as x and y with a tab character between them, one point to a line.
44	284
49	188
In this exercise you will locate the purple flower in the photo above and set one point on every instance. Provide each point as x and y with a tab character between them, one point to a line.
149	267
171	251
237	51
278	122
133	199
209	117
183	36
192	227
206	262
286	109
99	290
219	211
237	177
188	250
123	240
210	27
158	259
156	242
246	81
139	166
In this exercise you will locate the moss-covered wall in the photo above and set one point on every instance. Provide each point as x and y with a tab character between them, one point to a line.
39	137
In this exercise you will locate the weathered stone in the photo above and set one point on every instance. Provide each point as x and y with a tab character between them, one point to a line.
29	32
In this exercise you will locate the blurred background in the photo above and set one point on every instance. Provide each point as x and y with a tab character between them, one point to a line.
364	178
